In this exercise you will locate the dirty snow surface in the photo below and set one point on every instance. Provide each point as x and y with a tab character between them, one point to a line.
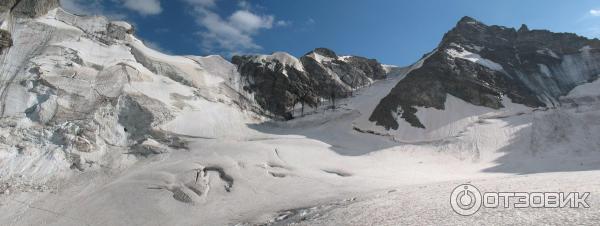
174	140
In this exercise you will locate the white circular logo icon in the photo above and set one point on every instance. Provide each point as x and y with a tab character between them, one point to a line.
465	199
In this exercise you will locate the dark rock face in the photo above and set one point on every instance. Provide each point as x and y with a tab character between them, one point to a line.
370	67
480	64
6	5
33	8
5	40
280	81
353	72
275	91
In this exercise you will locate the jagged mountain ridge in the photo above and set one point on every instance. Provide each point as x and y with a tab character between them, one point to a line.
280	81
483	65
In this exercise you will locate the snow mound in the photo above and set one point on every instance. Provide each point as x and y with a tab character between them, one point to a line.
591	89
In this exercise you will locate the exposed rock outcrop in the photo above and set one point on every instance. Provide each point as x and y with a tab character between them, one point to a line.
280	81
6	5
5	40
119	30
33	8
483	64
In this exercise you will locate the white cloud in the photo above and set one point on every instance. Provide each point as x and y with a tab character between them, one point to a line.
204	3
250	22
221	34
144	7
595	12
233	34
283	23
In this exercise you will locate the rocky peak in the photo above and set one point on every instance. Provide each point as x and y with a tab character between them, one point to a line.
523	28
466	21
483	64
324	52
471	31
468	25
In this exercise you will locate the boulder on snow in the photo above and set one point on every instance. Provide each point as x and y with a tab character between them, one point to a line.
5	40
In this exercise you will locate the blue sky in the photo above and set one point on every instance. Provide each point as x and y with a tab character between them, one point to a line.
392	31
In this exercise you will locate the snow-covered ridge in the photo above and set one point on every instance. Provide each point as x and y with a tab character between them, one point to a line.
282	57
327	59
320	58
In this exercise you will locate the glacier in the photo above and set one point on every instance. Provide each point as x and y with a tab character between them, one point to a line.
96	128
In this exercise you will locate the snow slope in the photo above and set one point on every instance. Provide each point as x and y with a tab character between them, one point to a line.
407	204
313	162
442	124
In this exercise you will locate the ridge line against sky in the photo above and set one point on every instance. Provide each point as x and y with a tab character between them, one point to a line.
394	32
